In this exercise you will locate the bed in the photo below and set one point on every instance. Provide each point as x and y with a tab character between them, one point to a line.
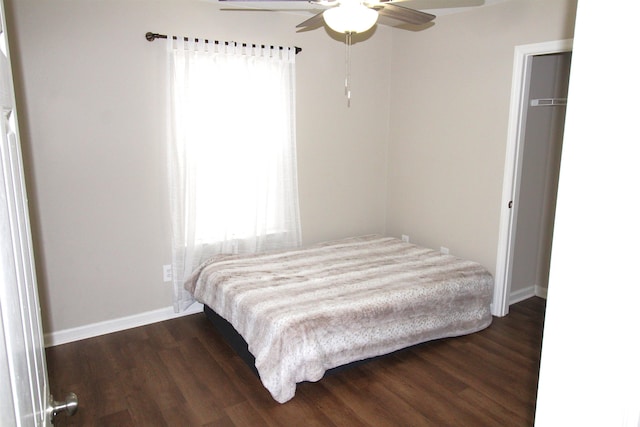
305	311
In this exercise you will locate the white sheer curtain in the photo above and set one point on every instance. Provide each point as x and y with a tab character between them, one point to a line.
232	153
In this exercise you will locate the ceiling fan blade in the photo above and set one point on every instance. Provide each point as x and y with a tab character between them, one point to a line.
303	7
315	20
325	3
269	1
251	9
404	14
437	4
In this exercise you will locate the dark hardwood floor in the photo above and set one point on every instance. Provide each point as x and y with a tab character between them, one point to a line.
181	373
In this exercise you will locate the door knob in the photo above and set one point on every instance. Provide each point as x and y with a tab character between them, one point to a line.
70	406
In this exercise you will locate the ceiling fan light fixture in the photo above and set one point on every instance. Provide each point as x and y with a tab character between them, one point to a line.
351	17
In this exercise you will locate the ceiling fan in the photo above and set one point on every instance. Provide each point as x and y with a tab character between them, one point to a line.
358	16
351	17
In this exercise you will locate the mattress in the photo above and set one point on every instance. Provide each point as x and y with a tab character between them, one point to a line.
305	311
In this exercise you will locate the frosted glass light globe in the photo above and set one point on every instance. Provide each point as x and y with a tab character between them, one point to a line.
350	17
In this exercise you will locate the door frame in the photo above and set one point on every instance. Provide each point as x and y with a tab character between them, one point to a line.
522	59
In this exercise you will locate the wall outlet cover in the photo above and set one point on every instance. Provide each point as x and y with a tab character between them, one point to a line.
167	273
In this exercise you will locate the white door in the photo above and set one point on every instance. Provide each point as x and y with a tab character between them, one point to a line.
24	386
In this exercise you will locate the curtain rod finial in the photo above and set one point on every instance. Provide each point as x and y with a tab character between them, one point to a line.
150	36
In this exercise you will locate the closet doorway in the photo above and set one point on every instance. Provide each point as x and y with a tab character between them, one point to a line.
541	80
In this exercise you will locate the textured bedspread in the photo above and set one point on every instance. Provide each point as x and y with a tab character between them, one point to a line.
305	311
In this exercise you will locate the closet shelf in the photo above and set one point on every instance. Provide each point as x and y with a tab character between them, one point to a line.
548	102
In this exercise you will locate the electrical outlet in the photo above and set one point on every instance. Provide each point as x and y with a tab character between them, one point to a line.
167	273
405	238
444	251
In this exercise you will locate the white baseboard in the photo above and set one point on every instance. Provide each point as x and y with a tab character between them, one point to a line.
528	292
522	294
541	292
128	322
115	325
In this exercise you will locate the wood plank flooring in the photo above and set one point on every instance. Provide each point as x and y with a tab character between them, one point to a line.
181	373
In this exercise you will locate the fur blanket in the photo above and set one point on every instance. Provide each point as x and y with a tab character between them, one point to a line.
305	311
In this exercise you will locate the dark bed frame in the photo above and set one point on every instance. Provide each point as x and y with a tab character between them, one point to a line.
232	337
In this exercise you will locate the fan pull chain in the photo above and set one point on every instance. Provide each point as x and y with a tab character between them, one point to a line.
347	78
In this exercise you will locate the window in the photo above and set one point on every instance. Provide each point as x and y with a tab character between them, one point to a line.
232	156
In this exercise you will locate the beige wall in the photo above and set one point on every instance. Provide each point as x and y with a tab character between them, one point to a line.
420	151
449	114
91	96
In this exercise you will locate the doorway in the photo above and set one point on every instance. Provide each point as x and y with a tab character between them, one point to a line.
538	106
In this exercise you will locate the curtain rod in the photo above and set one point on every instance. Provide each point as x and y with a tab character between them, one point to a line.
152	36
